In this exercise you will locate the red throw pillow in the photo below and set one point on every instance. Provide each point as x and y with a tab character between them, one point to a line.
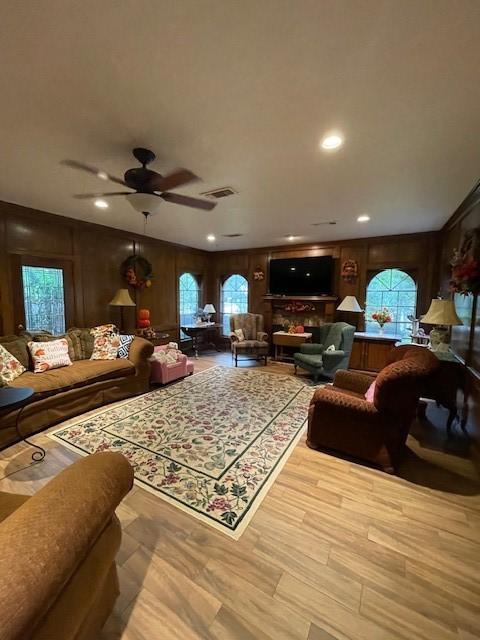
370	392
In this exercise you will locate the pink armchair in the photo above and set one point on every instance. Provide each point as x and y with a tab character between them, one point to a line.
163	372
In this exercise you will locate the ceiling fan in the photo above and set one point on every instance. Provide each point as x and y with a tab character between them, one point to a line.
147	185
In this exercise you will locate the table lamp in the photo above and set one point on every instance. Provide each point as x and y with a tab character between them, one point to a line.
443	314
208	309
122	299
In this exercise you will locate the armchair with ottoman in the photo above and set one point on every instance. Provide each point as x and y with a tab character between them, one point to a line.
248	338
367	417
58	577
318	360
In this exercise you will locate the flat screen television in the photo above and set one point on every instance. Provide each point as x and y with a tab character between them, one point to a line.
301	276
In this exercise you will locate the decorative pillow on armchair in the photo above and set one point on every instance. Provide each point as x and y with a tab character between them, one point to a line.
240	335
10	367
370	394
105	347
49	355
124	347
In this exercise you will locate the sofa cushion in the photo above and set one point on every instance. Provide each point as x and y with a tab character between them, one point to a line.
17	346
250	345
80	374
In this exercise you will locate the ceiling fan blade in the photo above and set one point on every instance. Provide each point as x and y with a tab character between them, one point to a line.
103	175
172	180
196	203
88	196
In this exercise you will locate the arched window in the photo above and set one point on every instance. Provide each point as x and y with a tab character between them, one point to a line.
234	299
189	298
396	291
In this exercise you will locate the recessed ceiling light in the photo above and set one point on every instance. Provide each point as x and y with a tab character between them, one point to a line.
363	218
101	204
292	268
102	175
290	238
331	141
307	274
211	237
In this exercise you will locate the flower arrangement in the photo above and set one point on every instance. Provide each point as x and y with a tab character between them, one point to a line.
465	274
382	317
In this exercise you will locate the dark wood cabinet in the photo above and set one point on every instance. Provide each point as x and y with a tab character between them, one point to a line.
370	351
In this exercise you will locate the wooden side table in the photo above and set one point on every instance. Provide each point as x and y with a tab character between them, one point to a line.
370	351
207	333
283	339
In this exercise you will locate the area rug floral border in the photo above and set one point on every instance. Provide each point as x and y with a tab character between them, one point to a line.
211	445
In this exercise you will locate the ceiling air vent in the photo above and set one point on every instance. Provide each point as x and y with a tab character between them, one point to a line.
232	235
319	224
221	192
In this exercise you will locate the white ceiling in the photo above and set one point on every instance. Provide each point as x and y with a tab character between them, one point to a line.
240	92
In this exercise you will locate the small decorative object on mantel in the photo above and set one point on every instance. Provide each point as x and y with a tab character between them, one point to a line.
349	270
137	271
295	306
381	318
259	274
466	264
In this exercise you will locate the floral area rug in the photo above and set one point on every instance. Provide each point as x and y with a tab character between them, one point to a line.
212	444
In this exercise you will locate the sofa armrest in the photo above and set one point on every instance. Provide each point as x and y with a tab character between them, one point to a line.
139	356
47	538
262	336
312	348
353	381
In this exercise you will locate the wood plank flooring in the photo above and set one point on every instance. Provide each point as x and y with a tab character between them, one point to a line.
335	551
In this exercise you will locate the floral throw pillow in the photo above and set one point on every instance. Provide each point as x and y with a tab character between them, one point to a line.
124	348
240	335
10	367
104	330
49	355
105	347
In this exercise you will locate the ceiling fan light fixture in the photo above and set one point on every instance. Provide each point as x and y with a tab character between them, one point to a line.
144	202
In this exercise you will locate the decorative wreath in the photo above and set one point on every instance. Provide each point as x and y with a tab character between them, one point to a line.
137	271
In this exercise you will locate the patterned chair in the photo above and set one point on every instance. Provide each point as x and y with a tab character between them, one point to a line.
255	345
315	358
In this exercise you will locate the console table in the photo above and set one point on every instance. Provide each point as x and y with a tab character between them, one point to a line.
206	333
283	339
370	350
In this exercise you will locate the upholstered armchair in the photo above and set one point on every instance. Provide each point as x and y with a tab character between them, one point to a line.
371	422
315	357
247	337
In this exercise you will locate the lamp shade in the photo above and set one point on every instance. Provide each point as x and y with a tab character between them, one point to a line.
441	312
209	308
349	303
122	299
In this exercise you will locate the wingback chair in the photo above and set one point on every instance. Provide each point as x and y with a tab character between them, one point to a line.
368	417
314	357
253	344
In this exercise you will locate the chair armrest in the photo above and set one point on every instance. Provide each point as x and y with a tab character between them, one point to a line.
233	337
328	398
46	539
353	381
331	358
262	336
312	348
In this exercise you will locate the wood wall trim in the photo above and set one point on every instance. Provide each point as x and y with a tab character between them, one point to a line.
471	200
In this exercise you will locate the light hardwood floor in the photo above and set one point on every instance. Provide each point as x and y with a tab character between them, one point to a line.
336	550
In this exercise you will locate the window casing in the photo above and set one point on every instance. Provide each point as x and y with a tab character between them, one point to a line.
44	298
233	299
396	291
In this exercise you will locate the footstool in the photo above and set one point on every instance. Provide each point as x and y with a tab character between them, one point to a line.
161	372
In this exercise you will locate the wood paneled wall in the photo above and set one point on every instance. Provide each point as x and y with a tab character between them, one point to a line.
95	253
416	253
465	339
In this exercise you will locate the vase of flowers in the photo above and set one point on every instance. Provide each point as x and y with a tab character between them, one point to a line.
381	318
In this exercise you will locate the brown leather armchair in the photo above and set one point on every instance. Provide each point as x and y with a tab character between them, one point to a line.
340	418
58	579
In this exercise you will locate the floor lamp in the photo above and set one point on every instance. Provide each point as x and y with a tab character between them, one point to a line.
122	299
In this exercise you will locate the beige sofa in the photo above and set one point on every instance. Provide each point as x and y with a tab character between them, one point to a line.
69	391
58	578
